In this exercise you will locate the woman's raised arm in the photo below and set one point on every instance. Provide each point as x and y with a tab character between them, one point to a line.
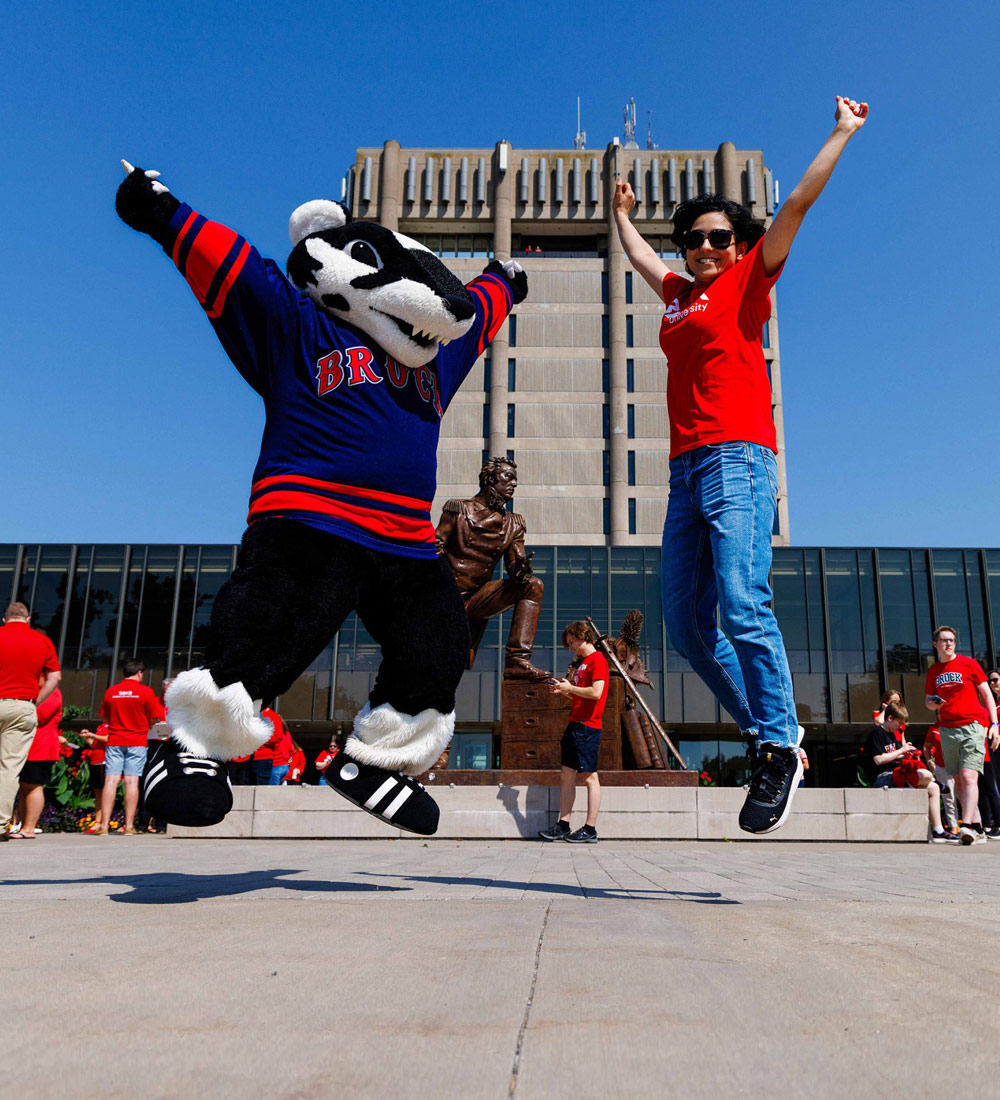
850	117
640	254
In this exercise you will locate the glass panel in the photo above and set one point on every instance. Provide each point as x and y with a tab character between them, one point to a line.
50	591
811	696
952	599
978	646
25	584
899	612
214	570
8	560
847	641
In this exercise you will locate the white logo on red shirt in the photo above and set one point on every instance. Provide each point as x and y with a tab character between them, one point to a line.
675	313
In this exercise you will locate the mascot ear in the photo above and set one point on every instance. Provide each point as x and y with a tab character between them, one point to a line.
315	216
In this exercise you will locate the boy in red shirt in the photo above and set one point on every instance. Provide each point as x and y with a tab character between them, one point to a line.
957	689
129	708
582	739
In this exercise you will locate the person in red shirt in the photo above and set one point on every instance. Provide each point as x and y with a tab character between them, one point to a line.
935	760
296	765
325	759
958	691
95	764
27	658
265	766
582	739
37	771
130	708
723	462
283	749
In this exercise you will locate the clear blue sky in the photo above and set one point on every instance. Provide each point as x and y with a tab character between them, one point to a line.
123	420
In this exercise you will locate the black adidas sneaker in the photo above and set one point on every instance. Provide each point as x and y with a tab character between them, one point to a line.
773	784
398	800
185	789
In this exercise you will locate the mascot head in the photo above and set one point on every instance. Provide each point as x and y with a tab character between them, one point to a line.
389	286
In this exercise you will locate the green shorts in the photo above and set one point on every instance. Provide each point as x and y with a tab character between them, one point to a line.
964	747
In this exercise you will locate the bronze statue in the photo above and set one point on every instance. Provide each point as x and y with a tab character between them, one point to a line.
472	536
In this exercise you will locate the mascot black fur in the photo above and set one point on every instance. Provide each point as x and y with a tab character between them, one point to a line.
356	355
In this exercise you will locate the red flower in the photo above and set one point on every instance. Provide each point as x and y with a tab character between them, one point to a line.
65	750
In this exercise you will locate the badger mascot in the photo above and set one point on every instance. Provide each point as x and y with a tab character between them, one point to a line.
356	355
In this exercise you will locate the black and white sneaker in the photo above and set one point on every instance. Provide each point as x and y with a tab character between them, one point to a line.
586	834
772	787
185	789
942	836
396	799
993	834
559	831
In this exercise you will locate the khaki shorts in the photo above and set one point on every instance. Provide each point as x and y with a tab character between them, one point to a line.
964	747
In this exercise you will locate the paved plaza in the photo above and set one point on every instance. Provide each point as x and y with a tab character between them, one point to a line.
152	967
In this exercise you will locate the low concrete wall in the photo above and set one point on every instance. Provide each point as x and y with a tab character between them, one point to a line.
627	813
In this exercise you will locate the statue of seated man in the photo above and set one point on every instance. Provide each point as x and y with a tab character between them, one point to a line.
472	536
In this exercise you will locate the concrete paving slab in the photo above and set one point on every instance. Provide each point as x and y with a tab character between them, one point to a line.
143	966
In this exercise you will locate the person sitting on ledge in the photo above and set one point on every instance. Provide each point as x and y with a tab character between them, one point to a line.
893	762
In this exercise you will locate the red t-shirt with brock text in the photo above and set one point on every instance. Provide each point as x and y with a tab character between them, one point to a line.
957	682
717	384
130	708
590	712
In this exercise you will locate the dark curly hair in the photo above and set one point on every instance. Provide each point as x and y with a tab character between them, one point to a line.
745	228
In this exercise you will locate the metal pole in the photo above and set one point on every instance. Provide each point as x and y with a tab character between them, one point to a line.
609	653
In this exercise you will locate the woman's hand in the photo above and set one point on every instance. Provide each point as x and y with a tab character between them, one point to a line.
850	114
623	200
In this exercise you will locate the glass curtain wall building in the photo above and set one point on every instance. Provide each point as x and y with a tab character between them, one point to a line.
855	621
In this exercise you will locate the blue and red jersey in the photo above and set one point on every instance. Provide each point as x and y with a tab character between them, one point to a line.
350	439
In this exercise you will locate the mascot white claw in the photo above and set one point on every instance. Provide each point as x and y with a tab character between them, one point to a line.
220	723
402	742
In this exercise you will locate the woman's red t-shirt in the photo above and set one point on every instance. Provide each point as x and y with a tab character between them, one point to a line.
45	745
717	384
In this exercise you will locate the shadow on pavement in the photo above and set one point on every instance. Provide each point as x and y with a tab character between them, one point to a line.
641	893
170	888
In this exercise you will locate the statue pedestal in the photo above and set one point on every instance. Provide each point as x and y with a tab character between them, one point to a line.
533	721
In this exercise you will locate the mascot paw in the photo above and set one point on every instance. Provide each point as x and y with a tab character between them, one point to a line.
142	202
513	274
409	743
184	789
395	799
207	720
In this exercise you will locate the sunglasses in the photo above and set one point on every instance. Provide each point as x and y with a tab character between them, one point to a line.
717	238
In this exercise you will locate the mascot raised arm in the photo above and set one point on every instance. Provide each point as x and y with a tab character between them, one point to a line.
356	354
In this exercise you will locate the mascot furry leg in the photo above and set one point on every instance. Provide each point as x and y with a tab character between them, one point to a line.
291	591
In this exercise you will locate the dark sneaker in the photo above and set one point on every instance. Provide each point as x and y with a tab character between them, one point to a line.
993	834
586	834
185	789
559	831
398	800
942	836
772	787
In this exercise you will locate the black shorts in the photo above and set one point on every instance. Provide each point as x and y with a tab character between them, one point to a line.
579	747
96	776
37	773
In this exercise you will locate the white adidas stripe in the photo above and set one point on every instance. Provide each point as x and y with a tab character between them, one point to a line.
377	797
398	801
152	780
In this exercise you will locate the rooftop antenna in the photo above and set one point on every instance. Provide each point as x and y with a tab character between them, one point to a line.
650	144
629	114
580	141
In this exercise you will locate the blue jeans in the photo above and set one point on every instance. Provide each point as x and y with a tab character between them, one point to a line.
717	555
278	773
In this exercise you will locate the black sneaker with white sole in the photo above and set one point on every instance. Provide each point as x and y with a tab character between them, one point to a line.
586	834
398	800
183	788
772	787
559	831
